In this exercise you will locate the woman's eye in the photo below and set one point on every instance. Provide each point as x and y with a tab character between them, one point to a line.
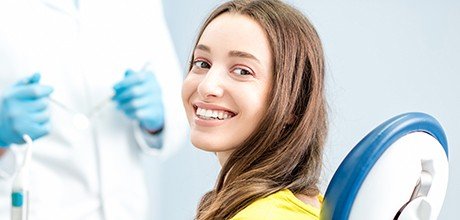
242	72
202	64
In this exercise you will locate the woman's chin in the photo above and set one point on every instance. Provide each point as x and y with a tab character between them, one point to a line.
209	146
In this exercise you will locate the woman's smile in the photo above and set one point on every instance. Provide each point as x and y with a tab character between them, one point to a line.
208	115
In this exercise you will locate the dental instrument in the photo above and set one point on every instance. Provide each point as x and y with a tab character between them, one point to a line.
82	121
79	120
20	191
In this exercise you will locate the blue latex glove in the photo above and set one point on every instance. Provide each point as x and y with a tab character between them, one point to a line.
138	95
24	110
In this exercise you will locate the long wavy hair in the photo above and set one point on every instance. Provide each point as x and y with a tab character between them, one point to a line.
285	151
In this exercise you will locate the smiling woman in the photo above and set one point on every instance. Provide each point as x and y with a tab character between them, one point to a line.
228	84
254	95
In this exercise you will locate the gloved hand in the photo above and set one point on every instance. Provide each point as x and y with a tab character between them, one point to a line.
24	110
138	95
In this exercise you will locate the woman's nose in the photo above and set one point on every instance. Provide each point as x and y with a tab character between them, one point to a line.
212	84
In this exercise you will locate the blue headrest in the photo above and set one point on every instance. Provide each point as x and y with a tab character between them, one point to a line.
351	173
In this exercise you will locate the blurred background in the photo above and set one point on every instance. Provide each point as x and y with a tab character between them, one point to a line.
383	58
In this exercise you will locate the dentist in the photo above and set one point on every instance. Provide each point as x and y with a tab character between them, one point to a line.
96	84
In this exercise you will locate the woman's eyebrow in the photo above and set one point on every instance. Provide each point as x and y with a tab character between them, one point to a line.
233	53
203	47
237	53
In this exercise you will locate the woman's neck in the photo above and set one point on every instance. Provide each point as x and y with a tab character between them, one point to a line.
223	156
309	200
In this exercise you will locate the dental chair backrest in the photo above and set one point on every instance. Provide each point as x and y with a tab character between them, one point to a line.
398	171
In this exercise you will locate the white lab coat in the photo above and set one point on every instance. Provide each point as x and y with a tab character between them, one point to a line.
82	50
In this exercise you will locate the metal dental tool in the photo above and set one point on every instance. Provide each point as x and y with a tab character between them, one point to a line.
82	120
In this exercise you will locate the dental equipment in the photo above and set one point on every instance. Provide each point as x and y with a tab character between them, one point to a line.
82	120
99	106
20	191
398	171
79	120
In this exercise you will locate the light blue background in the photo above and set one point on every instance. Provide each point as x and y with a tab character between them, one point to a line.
383	58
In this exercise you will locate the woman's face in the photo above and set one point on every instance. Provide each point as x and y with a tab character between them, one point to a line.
225	93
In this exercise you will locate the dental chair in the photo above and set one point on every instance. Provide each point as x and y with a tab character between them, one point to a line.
398	171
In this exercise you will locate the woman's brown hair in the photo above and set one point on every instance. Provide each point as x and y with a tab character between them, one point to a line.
285	151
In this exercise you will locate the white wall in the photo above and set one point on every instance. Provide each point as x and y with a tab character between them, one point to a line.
383	58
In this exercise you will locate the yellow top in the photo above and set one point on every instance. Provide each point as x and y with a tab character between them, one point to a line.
282	205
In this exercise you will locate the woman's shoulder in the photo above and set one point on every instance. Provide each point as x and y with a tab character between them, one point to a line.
280	205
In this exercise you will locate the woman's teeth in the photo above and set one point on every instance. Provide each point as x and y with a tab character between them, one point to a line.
208	114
